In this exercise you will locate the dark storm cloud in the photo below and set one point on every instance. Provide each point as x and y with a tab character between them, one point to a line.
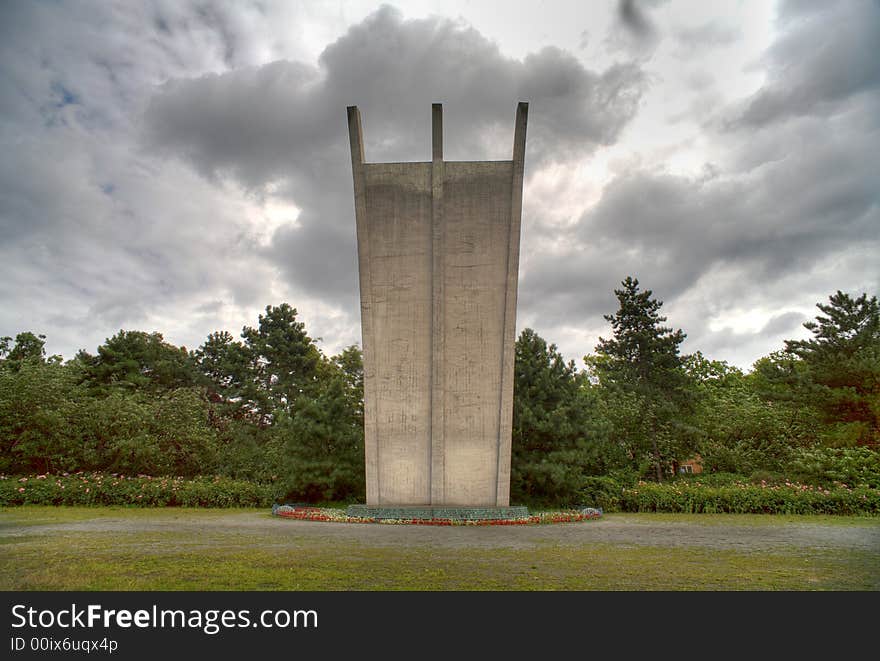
635	19
93	235
634	31
826	55
792	216
820	198
783	324
254	122
671	231
284	123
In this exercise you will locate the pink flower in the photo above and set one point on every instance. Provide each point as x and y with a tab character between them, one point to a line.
20	489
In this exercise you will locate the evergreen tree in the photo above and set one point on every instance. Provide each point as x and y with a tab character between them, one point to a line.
223	366
281	359
28	348
642	359
136	360
323	439
556	436
351	365
840	373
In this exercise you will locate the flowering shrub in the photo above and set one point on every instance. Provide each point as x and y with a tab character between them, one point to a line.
743	498
854	466
305	513
143	490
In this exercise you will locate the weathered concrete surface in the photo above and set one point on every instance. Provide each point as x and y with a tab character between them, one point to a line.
438	250
398	205
476	215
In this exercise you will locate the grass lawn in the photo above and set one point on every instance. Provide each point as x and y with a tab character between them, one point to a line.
114	548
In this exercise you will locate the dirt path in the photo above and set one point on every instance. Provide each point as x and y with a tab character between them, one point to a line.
718	532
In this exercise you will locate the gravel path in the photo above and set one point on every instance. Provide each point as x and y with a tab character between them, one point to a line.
719	532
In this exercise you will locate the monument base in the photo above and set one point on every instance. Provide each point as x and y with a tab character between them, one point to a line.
445	512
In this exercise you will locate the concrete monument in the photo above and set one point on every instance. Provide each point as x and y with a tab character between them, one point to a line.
438	253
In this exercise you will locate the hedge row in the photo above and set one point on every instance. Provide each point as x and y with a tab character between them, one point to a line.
142	490
680	496
744	498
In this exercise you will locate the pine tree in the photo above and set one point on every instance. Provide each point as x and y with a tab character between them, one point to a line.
28	348
642	359
841	367
136	360
282	361
556	434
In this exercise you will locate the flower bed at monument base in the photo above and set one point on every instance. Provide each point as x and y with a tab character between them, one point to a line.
309	513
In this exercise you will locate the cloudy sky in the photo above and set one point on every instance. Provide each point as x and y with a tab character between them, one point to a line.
177	166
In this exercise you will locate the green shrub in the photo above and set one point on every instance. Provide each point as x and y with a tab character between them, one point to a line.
146	491
858	466
604	492
742	498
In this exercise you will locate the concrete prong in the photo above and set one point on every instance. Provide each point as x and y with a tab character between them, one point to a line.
437	132
355	135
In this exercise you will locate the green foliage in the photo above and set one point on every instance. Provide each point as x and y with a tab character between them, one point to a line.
351	366
556	438
270	409
246	451
222	363
262	376
740	431
324	440
48	422
282	362
837	371
158	435
135	360
144	491
141	405
741	498
628	429
603	492
642	363
859	466
37	404
642	352
850	326
28	348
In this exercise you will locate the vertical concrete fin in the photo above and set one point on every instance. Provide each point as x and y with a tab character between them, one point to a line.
371	447
505	423
437	132
519	138
437	460
355	135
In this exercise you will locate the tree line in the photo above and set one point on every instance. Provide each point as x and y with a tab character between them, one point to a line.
269	406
